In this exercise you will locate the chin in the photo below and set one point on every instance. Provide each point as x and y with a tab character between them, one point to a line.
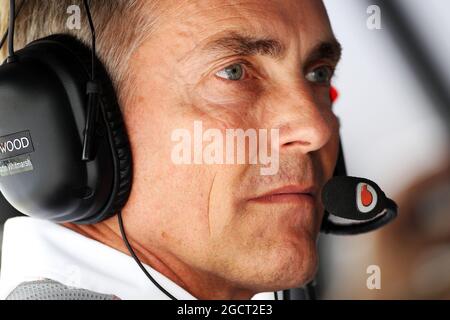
291	264
298	264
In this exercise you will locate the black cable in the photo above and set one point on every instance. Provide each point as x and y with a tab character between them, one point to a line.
12	19
135	257
5	36
133	254
311	290
91	26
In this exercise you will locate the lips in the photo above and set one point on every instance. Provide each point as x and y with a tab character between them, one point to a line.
287	194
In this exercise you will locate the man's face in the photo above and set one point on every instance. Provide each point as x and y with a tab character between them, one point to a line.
234	64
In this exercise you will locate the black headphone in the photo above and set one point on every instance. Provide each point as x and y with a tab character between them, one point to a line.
64	151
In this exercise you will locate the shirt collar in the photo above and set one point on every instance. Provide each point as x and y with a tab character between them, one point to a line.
35	249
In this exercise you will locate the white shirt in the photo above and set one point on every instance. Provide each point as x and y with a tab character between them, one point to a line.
37	249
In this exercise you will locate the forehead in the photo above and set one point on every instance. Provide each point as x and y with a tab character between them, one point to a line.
195	21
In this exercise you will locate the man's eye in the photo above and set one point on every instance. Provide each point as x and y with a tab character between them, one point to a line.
320	75
233	72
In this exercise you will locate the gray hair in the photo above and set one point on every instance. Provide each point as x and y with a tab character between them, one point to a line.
121	27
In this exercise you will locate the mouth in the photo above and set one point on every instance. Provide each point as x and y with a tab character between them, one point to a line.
288	194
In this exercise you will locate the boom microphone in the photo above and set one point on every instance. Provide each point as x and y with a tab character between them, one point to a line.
356	199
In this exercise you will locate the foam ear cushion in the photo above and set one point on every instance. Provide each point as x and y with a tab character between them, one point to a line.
120	146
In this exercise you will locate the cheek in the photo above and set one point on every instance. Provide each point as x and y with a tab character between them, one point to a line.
172	193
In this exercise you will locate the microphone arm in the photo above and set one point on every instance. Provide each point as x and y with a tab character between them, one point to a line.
389	214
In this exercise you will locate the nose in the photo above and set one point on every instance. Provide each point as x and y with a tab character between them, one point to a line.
303	122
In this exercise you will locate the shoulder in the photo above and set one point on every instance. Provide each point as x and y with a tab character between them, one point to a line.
52	290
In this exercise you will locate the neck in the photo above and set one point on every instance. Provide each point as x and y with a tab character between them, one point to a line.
200	284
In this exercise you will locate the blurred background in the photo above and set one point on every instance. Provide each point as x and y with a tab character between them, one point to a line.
394	108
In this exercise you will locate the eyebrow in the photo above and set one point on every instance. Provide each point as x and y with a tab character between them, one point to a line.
330	50
238	44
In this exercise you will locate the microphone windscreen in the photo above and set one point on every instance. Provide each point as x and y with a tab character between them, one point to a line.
353	198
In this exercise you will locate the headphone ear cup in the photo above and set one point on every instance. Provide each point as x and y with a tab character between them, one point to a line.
44	97
115	127
120	149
